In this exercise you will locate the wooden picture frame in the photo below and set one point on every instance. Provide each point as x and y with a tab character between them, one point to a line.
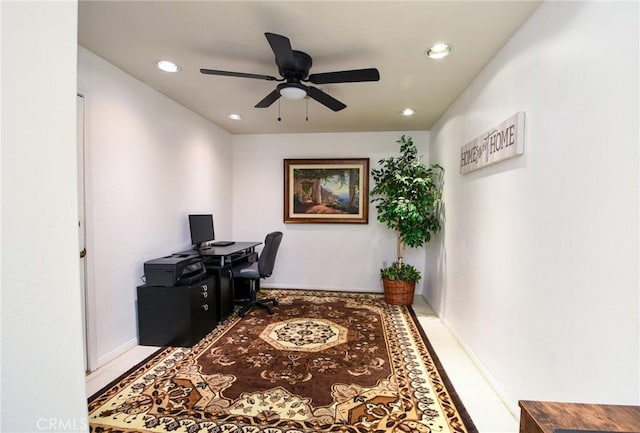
326	191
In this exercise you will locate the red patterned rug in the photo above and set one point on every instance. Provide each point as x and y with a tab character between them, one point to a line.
323	362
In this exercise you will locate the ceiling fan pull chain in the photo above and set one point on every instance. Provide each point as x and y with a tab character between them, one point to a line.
279	118
307	116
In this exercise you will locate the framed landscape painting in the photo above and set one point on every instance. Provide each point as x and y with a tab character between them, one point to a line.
326	191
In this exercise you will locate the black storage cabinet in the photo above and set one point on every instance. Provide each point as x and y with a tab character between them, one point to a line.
177	315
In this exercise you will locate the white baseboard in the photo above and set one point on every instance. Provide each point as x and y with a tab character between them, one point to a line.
110	356
493	383
315	287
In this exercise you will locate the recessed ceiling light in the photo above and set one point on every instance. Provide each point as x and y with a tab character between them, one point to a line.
438	51
234	116
408	112
167	66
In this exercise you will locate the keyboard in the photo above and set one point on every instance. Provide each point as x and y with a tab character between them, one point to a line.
222	243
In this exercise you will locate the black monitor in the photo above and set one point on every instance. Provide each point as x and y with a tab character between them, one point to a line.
201	227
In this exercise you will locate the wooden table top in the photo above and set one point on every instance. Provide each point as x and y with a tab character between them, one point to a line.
579	416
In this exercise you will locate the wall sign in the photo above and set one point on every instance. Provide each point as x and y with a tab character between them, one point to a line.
502	142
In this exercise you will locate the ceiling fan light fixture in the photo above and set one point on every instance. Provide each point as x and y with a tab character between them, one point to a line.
292	90
167	66
438	51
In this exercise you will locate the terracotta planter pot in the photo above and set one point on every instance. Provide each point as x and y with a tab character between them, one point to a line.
398	292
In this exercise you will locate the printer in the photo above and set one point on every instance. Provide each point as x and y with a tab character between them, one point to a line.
174	270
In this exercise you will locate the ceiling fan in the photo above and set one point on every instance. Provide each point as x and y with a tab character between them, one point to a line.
293	67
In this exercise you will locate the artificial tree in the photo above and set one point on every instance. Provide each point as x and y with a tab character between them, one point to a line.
407	194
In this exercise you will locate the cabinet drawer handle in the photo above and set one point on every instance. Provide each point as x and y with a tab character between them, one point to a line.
205	294
205	307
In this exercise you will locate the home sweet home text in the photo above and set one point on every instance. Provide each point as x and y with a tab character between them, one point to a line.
502	142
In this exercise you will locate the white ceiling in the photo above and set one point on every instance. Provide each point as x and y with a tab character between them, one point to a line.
229	35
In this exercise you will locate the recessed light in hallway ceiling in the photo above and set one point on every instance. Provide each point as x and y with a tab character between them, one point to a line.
167	66
438	51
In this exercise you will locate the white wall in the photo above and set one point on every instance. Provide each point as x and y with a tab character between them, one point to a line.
538	264
314	256
42	381
150	162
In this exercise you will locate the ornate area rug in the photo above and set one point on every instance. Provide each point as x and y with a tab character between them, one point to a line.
324	362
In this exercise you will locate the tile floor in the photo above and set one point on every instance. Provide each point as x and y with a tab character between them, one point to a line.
487	411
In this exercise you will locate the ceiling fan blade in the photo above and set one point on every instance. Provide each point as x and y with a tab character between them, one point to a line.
353	76
282	49
326	100
238	74
269	99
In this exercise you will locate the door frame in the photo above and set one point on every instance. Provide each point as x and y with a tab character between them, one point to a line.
89	305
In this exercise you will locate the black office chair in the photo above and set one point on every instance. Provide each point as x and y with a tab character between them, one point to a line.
263	268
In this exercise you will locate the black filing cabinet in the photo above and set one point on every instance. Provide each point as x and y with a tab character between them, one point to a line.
177	315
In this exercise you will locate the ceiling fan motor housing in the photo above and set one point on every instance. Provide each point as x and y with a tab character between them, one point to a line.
303	64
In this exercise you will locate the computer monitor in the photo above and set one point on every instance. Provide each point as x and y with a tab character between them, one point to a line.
201	227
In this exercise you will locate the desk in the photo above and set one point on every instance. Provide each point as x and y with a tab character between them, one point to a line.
219	257
545	417
182	315
219	261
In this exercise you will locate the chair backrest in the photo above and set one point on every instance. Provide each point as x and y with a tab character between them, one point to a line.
267	258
